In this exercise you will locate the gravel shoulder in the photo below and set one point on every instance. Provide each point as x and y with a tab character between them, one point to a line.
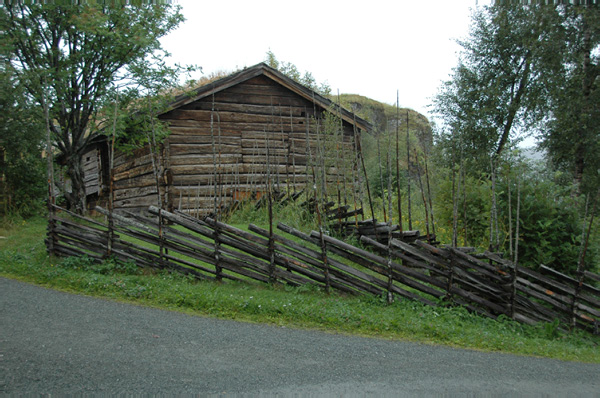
58	343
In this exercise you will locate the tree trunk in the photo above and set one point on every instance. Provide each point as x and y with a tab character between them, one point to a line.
515	104
590	73
76	199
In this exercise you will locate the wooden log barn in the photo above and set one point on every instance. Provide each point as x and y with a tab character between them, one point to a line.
228	138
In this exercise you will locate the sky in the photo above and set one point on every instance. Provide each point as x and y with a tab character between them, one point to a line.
370	47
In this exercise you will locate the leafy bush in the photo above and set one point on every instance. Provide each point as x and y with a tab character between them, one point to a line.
550	219
550	223
474	229
22	168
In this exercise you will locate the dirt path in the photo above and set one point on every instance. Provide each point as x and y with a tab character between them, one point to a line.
59	343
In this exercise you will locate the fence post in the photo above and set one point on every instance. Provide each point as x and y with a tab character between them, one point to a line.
50	233
217	254
271	248
323	246
581	263
513	289
450	277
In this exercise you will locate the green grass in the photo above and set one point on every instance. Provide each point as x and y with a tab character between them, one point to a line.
23	257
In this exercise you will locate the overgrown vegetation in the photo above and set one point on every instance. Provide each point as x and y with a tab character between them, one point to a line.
22	169
292	71
23	256
524	70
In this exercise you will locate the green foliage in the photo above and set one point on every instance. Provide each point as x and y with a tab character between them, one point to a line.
501	85
22	168
550	219
152	88
571	135
549	223
527	67
108	266
292	71
293	214
475	203
71	57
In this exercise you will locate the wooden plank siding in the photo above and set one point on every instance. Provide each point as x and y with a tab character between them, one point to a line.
225	134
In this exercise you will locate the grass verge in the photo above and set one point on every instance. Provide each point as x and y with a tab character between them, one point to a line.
23	257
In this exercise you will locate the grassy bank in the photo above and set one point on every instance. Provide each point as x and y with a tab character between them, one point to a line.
23	257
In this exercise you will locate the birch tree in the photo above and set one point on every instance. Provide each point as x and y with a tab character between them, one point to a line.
74	56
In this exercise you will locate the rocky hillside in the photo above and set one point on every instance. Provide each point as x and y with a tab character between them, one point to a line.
384	117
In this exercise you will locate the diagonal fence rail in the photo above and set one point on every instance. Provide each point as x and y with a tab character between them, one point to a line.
211	250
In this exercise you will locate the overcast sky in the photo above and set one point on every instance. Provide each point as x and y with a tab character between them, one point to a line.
367	47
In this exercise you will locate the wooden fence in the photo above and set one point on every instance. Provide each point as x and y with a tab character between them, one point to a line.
211	250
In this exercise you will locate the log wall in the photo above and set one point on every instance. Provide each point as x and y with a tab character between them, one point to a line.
92	167
134	181
224	140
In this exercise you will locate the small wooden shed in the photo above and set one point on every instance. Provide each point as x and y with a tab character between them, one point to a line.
228	136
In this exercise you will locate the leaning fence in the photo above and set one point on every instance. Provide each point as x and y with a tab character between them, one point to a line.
211	250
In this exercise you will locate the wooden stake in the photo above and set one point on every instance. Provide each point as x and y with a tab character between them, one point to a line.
510	222
515	268
494	211
216	199
390	295
455	191
111	182
429	195
581	263
271	246
362	161
398	160
381	178
463	175
50	173
358	177
287	153
158	171
292	150
324	258
408	172
341	159
423	196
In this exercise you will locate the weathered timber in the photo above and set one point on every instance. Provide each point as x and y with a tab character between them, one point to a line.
204	253
250	246
555	285
136	202
478	286
190	136
571	281
231	117
339	280
89	248
592	276
137	182
434	281
132	172
59	210
247	108
252	99
70	251
368	260
203	149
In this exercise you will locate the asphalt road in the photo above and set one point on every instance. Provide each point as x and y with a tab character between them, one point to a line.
58	343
